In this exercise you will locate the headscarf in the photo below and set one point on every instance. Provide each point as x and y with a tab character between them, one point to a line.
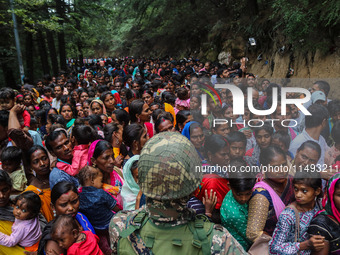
116	95
70	123
99	102
186	129
91	151
130	188
328	203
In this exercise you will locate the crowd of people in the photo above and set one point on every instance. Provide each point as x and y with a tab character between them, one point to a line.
79	175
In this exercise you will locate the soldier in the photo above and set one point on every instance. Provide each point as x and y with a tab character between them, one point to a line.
167	178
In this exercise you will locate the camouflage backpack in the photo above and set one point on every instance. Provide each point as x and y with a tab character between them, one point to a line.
144	237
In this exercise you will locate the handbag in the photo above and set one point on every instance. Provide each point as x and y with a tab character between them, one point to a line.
297	225
260	246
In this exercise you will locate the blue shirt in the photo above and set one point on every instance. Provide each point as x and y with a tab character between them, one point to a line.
97	205
58	175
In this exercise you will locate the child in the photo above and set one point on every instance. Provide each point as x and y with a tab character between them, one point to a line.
282	139
234	209
81	137
48	95
65	231
105	119
182	100
7	102
96	204
11	162
307	187
221	129
238	142
26	229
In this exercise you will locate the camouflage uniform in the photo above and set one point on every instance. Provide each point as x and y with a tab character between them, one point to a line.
167	178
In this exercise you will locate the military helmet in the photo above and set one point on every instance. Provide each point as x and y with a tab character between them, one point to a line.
166	167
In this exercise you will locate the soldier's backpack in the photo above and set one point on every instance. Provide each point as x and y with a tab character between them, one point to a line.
144	237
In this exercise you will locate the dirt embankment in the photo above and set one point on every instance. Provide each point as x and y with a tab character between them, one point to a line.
275	65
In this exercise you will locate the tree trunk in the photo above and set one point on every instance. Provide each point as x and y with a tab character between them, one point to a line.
53	52
42	52
29	57
8	75
60	7
253	7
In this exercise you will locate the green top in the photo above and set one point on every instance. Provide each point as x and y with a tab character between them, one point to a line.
234	217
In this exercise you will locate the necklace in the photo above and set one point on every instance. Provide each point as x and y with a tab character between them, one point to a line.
43	182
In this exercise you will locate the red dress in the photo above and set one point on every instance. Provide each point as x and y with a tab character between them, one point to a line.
87	247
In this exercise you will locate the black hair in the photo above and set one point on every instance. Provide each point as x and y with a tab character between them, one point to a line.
103	89
324	85
5	178
45	105
283	137
7	93
87	173
4	116
267	154
62	221
136	107
34	149
182	117
100	148
310	144
41	116
71	106
95	121
237	136
11	153
333	107
57	119
52	137
109	129
134	165
47	89
148	91
33	202
182	93
132	132
61	188
319	114
238	180
83	134
214	143
156	113
309	178
81	90
266	126
57	85
335	133
105	94
129	93
161	118
168	97
122	116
